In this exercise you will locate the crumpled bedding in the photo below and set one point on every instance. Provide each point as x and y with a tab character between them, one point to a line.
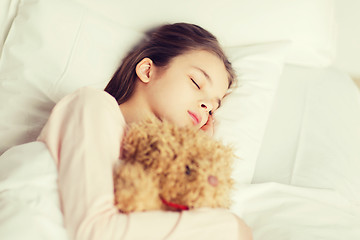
29	200
30	206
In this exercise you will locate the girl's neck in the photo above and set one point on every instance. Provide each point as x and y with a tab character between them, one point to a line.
135	109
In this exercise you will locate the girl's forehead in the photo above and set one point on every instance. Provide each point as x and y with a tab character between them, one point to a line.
202	60
206	65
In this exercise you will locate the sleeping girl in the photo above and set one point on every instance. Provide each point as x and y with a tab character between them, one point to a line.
180	74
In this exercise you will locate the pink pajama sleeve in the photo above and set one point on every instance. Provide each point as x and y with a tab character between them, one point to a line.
83	135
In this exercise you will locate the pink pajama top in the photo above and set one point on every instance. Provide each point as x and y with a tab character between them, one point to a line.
83	135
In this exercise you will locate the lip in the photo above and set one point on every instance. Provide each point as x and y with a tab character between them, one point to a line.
196	118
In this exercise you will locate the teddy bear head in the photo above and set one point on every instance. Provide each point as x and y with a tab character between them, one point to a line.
190	168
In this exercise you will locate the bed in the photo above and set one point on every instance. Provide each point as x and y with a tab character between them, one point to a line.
293	119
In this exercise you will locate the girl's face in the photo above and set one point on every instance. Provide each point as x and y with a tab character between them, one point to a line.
189	89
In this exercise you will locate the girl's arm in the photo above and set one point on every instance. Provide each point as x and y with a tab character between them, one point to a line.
83	134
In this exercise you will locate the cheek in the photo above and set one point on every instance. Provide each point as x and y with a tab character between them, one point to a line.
179	95
171	99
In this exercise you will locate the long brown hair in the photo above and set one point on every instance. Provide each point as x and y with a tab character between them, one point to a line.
161	45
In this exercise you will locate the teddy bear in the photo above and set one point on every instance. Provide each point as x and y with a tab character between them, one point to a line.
172	168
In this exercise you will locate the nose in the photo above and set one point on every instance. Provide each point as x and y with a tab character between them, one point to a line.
206	106
213	181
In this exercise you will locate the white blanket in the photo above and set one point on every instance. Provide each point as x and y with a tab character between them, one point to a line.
29	202
30	207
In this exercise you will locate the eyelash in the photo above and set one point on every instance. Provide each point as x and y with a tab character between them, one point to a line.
197	85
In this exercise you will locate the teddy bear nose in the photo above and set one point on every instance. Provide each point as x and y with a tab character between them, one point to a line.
213	181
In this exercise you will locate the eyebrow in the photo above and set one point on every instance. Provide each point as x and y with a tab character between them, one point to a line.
211	82
205	74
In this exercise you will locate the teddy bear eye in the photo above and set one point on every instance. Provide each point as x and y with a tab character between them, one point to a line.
188	170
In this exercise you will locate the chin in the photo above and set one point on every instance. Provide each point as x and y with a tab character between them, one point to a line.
178	122
181	122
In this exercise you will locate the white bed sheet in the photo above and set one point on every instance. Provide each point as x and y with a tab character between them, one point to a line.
278	211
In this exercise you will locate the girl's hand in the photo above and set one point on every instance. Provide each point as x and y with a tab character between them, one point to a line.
209	126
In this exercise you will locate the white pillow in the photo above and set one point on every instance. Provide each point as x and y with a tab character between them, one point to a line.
55	47
313	133
310	25
243	118
8	9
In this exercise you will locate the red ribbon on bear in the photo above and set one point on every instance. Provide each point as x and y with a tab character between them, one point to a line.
178	207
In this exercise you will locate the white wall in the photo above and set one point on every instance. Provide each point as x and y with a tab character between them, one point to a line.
348	46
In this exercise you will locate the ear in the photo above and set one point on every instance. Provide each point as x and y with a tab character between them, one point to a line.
144	69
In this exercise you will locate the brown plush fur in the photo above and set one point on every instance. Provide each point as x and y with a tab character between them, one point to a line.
160	159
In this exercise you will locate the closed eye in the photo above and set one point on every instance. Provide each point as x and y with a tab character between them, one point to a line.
195	83
188	170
